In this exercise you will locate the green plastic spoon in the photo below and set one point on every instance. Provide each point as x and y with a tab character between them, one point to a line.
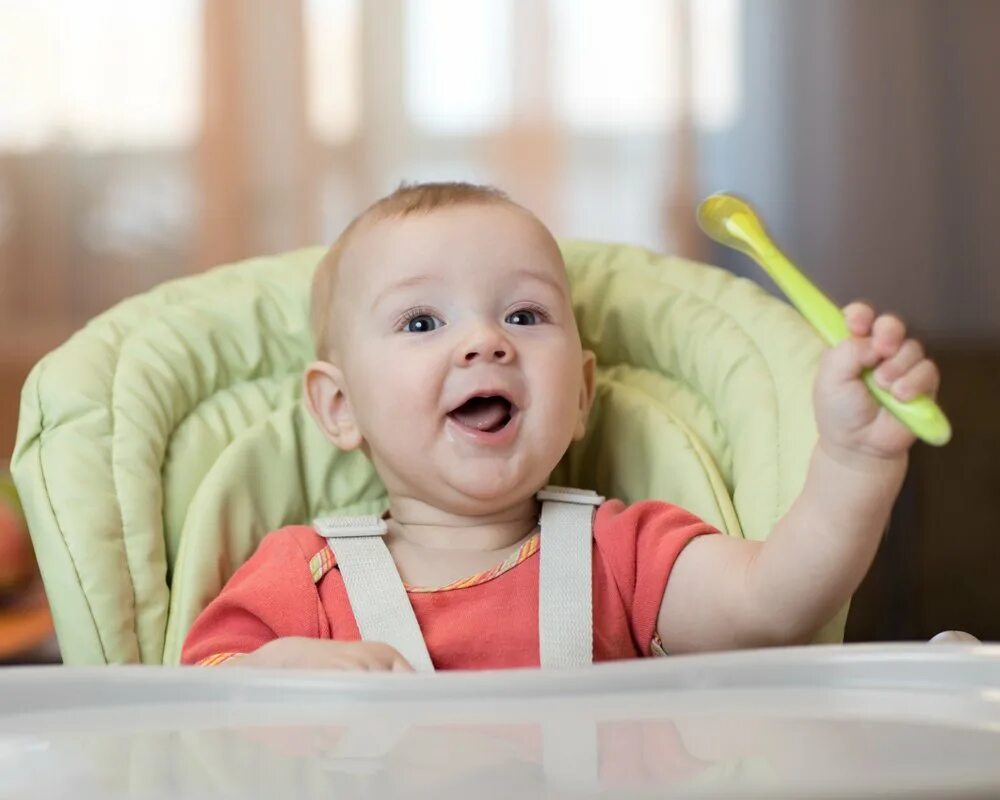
732	222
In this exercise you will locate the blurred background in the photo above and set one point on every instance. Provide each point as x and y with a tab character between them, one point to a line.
147	140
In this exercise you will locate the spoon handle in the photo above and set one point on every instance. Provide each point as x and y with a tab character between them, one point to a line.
730	221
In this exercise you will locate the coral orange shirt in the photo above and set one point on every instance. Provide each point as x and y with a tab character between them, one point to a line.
291	587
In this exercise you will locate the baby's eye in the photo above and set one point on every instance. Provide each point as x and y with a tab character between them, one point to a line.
422	323
523	317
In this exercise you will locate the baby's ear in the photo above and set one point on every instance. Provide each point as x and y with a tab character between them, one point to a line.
586	393
323	389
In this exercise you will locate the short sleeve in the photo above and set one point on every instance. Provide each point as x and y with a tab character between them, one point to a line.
639	545
270	596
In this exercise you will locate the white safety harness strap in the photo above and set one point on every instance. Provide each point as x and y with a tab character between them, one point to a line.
565	601
374	589
565	594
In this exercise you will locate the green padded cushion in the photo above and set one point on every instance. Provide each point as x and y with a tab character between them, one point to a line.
159	444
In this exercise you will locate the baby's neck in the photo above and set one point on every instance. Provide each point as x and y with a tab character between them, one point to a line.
422	525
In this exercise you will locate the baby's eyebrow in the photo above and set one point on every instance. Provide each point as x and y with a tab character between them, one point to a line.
417	280
406	283
543	278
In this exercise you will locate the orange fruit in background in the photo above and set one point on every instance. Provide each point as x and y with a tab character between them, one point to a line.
17	559
25	620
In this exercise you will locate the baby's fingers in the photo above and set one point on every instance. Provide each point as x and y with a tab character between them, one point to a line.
906	358
859	318
401	665
385	657
888	333
924	378
845	361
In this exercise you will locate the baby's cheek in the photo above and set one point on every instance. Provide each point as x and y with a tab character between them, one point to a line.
385	421
402	425
559	412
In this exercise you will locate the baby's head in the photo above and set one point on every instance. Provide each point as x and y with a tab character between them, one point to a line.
448	348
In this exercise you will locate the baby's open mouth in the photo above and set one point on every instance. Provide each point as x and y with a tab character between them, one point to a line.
489	414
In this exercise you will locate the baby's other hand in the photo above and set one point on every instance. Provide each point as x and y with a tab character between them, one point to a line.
851	422
304	653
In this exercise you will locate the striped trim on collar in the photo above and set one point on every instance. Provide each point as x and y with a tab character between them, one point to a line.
321	563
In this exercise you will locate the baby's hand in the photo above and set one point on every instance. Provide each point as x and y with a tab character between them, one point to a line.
305	653
850	421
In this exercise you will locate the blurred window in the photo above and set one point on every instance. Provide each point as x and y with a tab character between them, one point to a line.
99	75
615	64
100	114
458	65
333	42
717	59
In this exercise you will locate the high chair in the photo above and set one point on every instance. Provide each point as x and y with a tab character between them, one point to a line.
159	444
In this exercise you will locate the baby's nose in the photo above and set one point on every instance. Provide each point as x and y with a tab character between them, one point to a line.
487	344
498	355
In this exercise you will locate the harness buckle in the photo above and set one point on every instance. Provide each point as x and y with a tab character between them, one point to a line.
562	494
348	527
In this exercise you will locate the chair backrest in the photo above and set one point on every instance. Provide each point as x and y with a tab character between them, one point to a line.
160	443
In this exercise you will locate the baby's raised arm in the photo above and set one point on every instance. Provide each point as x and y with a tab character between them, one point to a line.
725	593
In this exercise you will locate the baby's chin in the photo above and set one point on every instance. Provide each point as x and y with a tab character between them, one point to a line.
477	489
481	485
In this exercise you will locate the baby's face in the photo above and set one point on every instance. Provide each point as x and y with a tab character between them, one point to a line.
460	357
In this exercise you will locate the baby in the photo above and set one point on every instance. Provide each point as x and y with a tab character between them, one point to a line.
450	356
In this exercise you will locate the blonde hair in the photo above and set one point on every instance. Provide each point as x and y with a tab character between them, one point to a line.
416	198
